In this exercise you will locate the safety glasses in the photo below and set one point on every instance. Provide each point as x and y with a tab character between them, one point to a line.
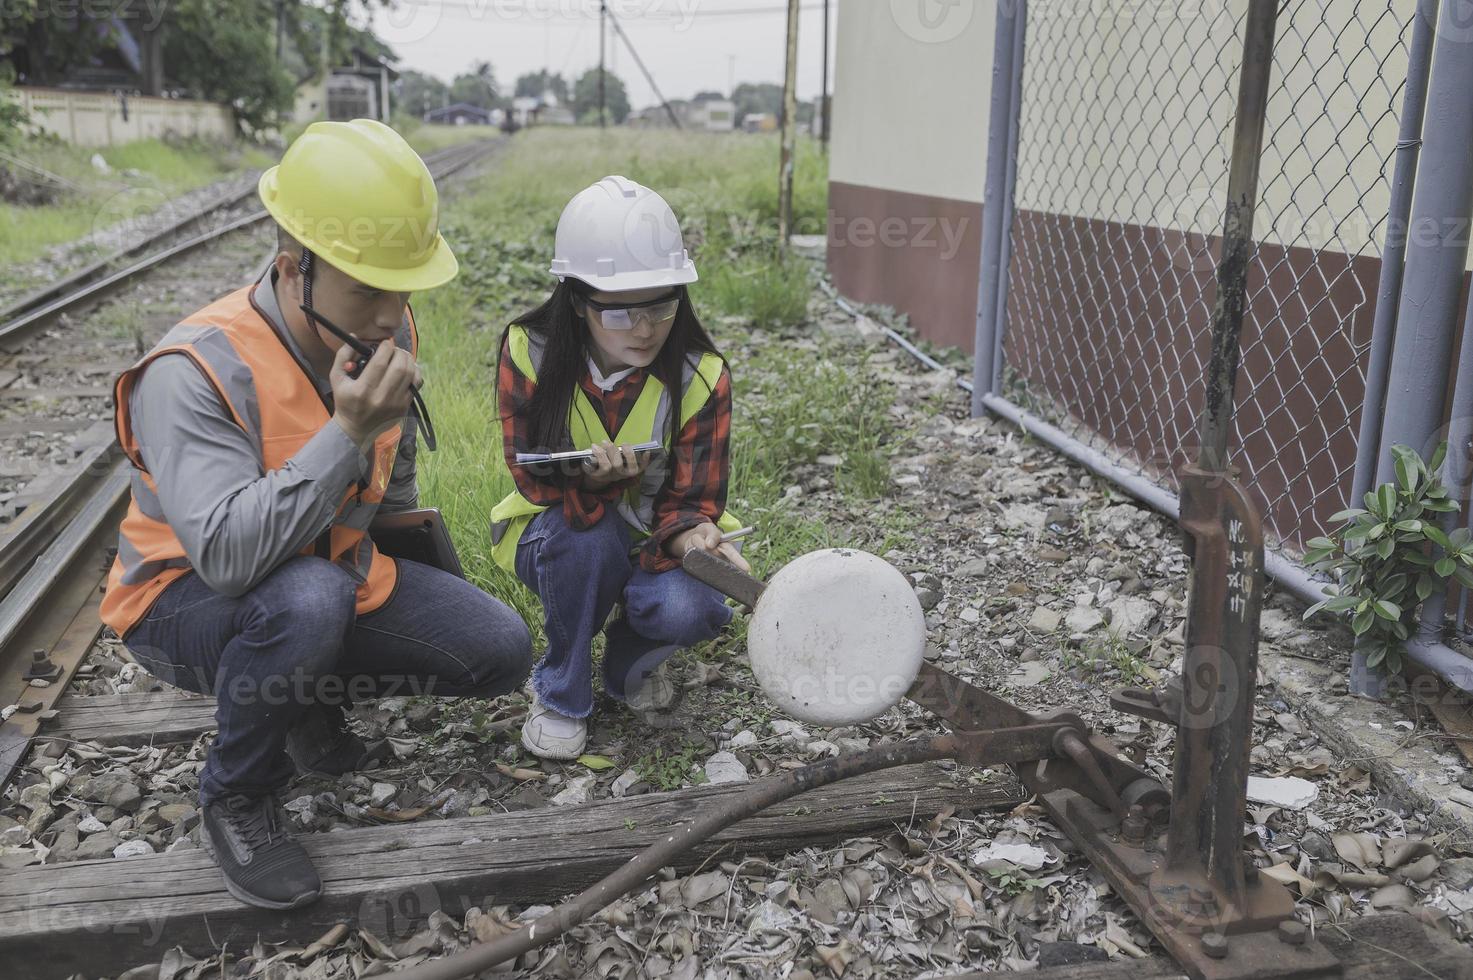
622	316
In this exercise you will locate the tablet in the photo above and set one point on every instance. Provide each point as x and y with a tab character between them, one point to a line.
416	535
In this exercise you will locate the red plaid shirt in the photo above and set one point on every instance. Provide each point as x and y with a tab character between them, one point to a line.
694	492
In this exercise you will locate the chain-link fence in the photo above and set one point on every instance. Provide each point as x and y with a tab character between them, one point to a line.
1124	121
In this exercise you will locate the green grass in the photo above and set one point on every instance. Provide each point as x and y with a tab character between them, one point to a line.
794	401
165	169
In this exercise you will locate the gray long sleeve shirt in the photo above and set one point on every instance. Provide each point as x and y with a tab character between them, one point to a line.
237	521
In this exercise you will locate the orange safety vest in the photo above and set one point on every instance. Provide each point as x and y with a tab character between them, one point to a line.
269	394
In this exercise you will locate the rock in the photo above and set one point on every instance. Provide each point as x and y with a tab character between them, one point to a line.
132	848
929	597
112	789
1318	846
1082	619
742	739
1289	792
1044	620
969	615
975	568
789	729
932	652
627	784
90	825
1068	954
40	818
1024	517
1030	674
724	767
173	813
97	846
35	795
578	790
1275	624
1029	857
381	794
1458	873
1129	614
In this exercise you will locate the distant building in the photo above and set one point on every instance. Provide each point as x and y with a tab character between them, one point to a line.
759	122
713	115
463	114
358	90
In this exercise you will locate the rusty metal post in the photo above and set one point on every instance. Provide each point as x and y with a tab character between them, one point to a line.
1225	535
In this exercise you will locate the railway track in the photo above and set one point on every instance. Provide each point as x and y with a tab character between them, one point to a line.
64	485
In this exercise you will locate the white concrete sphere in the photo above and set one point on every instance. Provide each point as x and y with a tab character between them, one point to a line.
837	637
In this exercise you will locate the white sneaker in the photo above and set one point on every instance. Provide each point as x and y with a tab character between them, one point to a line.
549	734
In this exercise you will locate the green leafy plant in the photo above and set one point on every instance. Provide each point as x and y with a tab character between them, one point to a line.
1382	558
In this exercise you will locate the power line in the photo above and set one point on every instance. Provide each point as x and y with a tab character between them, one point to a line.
619	30
480	9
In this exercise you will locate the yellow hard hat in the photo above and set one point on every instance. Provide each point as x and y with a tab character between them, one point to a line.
360	198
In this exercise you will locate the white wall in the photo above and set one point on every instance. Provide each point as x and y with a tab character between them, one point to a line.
911	97
96	119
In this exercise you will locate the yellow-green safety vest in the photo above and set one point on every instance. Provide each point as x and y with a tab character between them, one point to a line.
650	415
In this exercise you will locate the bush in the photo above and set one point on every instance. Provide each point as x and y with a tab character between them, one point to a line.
1380	555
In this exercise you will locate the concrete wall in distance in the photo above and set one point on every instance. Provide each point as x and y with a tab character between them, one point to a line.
97	118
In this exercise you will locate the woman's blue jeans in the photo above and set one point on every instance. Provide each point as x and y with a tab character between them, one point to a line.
580	576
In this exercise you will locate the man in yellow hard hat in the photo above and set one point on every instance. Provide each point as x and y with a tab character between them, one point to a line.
263	447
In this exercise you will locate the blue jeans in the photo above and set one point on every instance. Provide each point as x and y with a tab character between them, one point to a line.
579	576
294	644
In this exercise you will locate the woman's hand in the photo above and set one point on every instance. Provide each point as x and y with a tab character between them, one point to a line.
706	537
611	464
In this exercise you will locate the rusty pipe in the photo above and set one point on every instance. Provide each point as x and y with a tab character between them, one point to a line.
759	796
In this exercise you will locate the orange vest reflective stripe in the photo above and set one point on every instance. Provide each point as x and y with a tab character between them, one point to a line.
270	396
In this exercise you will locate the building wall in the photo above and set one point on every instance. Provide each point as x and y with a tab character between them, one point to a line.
96	119
907	159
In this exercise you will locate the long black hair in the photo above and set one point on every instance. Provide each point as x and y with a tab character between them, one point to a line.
567	344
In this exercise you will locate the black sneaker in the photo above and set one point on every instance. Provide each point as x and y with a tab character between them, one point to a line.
262	865
322	744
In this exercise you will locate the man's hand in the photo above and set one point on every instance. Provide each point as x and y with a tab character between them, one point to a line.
706	537
611	464
378	398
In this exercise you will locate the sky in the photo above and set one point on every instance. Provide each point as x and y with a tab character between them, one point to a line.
688	45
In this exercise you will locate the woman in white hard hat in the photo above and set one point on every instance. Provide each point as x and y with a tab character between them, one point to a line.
616	348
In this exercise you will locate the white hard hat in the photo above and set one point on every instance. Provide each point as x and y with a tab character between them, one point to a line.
837	637
618	235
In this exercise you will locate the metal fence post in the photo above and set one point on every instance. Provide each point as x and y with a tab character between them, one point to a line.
1006	213
1436	257
1393	255
1436	251
1006	77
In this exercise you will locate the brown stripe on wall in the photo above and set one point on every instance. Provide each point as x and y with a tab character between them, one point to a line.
916	253
1113	320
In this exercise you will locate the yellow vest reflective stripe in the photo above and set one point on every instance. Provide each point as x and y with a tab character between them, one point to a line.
647	420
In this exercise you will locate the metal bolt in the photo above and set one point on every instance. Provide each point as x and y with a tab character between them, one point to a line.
1215	945
1133	827
1292	931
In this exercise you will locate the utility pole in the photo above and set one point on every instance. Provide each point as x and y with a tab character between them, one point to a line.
603	14
823	99
790	126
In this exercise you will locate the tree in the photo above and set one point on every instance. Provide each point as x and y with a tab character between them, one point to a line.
418	93
585	98
220	52
707	96
757	97
478	87
534	84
